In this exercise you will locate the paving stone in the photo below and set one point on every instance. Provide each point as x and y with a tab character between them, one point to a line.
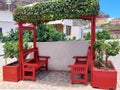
118	76
47	80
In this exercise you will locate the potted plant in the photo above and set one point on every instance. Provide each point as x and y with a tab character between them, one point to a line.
104	74
11	71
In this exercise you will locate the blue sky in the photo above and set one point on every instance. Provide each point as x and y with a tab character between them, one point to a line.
111	7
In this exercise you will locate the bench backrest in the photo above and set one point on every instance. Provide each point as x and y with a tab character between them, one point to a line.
81	68
35	55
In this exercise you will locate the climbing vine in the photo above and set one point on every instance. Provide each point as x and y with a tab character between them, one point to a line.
55	10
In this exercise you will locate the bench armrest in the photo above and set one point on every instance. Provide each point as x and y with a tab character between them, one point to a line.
29	64
47	57
81	69
77	66
77	57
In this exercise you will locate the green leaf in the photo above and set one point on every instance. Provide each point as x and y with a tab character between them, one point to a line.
54	10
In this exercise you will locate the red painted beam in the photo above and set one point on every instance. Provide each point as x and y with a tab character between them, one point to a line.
89	17
27	28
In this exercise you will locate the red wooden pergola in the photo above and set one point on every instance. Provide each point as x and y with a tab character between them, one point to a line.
33	28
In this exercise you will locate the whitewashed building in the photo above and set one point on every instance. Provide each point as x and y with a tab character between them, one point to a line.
71	28
6	22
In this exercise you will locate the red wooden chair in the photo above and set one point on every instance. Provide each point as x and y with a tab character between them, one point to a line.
80	67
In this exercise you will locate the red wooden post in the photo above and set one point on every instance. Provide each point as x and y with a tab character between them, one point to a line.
20	39
93	36
34	42
34	36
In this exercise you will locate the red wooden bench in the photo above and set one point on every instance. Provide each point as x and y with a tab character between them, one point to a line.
28	68
31	66
80	67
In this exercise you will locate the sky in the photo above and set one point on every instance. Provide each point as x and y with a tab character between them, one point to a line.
110	7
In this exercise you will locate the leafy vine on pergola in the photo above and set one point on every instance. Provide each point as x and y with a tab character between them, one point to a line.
60	9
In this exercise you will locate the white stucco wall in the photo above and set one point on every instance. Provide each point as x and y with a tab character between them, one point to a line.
68	22
6	21
62	53
6	16
76	31
7	26
63	22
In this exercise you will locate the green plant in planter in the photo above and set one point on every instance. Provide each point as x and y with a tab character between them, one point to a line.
106	49
112	49
11	49
98	47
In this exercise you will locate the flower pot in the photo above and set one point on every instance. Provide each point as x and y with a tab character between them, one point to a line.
105	79
11	72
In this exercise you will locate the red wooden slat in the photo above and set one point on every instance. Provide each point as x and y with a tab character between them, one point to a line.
44	57
25	52
77	57
27	28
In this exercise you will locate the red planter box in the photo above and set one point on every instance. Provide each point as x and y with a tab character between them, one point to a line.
11	72
105	79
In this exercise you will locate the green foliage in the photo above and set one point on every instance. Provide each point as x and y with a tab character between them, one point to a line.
103	35
100	35
99	48
71	39
12	36
45	33
99	57
48	33
57	0
108	48
28	36
56	10
11	44
11	49
87	37
113	48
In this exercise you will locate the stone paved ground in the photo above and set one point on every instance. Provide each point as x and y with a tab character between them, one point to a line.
118	80
48	80
116	61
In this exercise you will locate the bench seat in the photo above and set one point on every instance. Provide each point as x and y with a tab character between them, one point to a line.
32	66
